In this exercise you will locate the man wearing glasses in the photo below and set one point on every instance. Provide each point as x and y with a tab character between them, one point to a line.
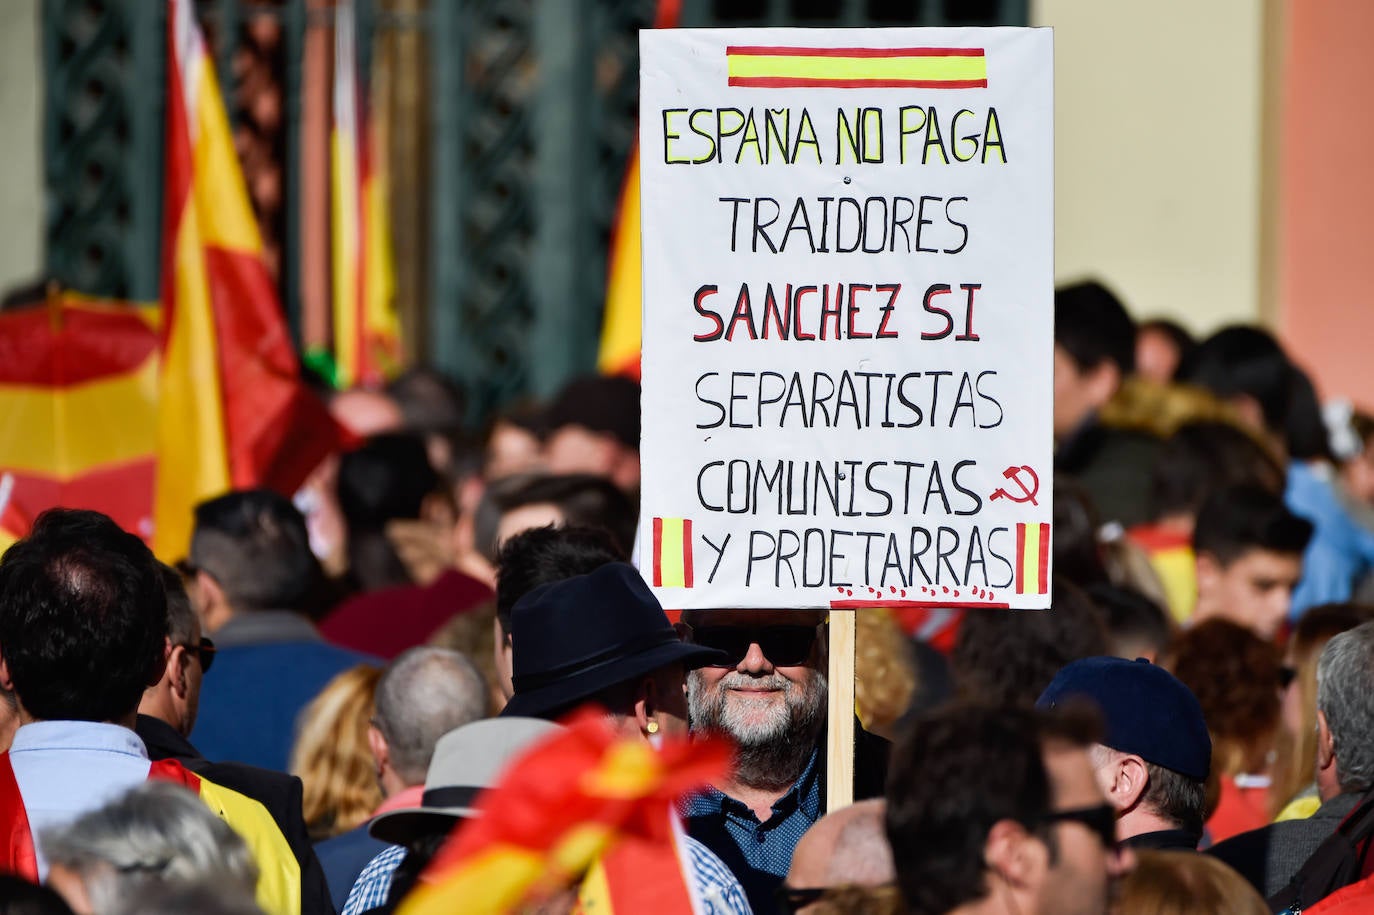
997	810
768	695
167	713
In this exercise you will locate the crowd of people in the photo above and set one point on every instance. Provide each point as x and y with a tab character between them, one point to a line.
301	715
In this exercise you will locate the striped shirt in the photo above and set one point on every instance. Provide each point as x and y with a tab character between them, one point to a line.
374	882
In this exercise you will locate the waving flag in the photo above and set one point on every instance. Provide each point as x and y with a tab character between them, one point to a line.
620	325
366	330
78	411
641	875
620	322
581	799
232	412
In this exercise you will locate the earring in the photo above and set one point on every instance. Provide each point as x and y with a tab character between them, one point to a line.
651	727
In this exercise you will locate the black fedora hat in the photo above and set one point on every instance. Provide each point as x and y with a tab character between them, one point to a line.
571	639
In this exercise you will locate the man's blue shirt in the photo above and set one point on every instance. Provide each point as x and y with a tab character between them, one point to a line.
269	665
759	853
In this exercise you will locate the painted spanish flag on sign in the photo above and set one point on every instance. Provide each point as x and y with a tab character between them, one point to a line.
672	552
1032	558
856	68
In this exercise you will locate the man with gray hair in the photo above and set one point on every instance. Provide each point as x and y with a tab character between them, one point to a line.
1269	857
767	693
156	833
424	694
1154	754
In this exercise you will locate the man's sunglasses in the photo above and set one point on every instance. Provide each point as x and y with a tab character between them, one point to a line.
783	646
205	651
1100	819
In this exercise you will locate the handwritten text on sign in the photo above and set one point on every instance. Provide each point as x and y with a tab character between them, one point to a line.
848	243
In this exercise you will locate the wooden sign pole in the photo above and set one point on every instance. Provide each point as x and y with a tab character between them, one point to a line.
839	788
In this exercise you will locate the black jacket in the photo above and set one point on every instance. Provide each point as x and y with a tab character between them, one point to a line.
278	792
1165	840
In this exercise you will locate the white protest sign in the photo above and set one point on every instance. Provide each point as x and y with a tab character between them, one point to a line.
848	316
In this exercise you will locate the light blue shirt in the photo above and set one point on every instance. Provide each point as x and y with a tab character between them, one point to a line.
67	768
720	890
1340	552
374	883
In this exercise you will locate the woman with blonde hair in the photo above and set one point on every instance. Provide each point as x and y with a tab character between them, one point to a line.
1294	793
885	671
331	755
1185	883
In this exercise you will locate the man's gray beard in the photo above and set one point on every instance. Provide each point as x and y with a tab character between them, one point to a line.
772	751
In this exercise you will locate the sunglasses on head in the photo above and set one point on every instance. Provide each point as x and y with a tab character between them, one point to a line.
205	651
783	646
1100	819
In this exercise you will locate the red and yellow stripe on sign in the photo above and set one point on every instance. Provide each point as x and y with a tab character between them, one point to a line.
856	68
672	552
1032	558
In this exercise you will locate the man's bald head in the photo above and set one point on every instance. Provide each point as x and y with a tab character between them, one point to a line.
844	848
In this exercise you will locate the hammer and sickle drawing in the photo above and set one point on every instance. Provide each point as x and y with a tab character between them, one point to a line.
1027	494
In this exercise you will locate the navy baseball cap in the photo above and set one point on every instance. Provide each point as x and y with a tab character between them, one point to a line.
1147	711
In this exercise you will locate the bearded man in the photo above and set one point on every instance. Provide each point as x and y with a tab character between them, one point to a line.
769	697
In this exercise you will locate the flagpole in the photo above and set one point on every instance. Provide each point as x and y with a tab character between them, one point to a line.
839	749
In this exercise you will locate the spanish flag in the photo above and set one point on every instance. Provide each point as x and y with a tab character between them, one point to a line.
366	329
673	553
78	411
231	412
641	875
621	327
856	68
558	818
1032	558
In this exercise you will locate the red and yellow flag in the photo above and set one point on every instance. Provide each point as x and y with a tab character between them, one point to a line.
620	325
232	412
580	797
78	411
1032	558
856	68
621	321
366	330
673	553
641	875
